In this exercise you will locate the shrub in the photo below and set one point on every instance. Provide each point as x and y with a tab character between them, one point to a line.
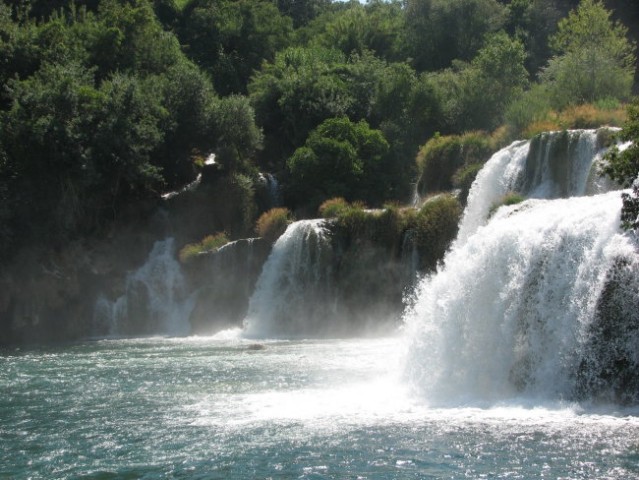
355	219
464	178
333	207
591	116
209	243
435	227
272	224
441	157
531	107
389	225
577	116
547	125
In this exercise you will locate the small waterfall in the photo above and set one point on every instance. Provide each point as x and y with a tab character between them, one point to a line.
493	181
517	304
558	164
292	292
271	191
552	165
155	299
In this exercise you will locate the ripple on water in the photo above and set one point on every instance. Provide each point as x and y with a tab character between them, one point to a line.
209	408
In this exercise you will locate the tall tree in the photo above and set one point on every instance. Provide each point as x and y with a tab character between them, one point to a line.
440	31
594	58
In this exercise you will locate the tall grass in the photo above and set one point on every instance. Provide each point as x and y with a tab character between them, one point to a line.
272	224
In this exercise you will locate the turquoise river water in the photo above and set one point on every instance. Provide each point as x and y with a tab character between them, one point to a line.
223	408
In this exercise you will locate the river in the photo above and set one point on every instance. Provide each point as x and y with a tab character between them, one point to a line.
224	407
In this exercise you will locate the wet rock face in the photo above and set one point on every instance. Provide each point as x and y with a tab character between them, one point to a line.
609	370
222	283
49	295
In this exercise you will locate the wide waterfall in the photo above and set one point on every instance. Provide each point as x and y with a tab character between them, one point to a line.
291	295
155	300
552	165
514	308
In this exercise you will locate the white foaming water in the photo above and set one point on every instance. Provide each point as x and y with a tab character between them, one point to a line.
558	164
508	314
552	165
509	311
288	297
494	180
155	300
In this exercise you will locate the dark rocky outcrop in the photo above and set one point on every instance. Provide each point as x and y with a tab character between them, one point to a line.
609	370
222	283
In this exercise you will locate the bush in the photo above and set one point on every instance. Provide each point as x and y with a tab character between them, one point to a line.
333	207
464	178
390	225
435	227
592	116
441	157
272	224
209	243
530	107
355	219
578	116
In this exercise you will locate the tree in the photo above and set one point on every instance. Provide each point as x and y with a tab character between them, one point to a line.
594	60
237	135
231	39
339	159
302	11
533	22
440	31
373	27
292	95
477	94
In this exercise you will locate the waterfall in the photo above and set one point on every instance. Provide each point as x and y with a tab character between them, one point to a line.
271	191
291	294
552	165
517	304
155	300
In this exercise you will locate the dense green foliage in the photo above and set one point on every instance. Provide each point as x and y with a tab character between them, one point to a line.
107	104
594	61
453	161
339	158
430	229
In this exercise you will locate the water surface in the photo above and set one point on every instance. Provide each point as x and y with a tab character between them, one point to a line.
217	408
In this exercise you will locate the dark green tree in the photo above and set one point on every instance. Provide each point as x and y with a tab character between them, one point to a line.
339	159
594	61
231	39
440	31
476	95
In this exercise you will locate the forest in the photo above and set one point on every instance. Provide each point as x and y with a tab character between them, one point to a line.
107	105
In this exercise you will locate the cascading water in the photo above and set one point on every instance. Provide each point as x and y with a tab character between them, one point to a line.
552	165
512	311
155	299
271	190
291	294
